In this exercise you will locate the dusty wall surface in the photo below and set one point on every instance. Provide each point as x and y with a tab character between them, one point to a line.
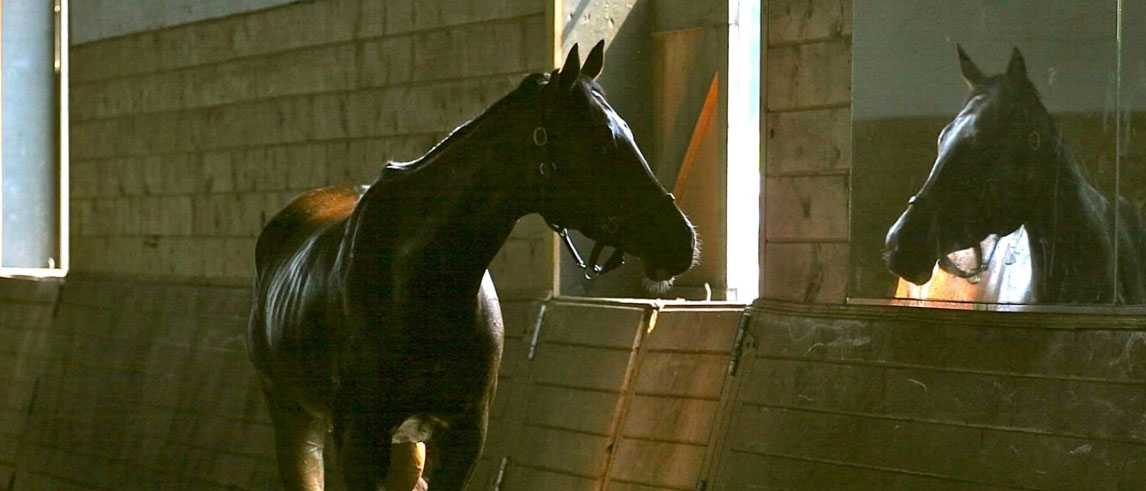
839	397
879	398
102	19
806	140
131	373
186	140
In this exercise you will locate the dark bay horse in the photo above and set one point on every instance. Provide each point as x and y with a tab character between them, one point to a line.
1002	163
374	314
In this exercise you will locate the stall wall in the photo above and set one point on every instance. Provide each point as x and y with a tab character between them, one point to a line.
102	19
806	145
188	133
843	397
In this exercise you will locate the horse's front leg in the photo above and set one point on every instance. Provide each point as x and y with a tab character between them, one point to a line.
299	439
459	448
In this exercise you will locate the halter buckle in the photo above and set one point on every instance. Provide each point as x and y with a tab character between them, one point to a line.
540	136
546	168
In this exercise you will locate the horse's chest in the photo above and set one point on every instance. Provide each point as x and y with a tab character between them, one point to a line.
425	356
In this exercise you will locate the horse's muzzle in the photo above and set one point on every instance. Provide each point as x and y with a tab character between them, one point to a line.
665	241
910	250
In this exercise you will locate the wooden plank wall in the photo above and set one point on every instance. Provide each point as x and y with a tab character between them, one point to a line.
680	387
884	398
576	382
607	402
806	140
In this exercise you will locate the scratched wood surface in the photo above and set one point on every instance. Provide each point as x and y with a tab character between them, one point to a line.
677	398
557	426
865	399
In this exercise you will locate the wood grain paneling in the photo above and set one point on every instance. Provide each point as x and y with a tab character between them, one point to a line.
813	208
793	21
806	272
808	142
808	75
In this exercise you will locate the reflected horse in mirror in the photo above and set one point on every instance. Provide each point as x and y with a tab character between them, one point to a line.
374	316
1002	164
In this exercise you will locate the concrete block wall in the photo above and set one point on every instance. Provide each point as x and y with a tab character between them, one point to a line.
25	336
145	386
185	140
132	373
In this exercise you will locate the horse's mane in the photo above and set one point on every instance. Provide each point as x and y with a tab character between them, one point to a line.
525	89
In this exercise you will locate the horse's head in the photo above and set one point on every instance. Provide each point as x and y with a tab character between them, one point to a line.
593	178
984	177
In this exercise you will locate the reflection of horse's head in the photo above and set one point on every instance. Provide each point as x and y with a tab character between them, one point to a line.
984	178
595	178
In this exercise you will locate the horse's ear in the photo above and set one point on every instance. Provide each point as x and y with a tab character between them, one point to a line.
1017	67
595	61
971	73
572	68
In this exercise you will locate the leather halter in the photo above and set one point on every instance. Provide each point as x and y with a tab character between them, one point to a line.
611	226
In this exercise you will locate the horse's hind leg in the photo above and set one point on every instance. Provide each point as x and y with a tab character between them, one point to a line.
363	454
458	450
299	438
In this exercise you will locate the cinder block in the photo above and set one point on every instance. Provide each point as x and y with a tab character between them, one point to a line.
331	119
428	14
217	172
205	211
515	8
399	16
129	175
273	169
376	112
247	167
386	61
292	119
307	71
536	42
335	156
371	19
494	47
439	54
239	258
82	178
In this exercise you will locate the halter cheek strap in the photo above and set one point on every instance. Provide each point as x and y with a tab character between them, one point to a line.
547	170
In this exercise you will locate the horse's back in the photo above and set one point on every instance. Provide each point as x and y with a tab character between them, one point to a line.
307	214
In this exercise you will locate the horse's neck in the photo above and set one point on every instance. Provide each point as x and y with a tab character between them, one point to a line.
1069	236
440	222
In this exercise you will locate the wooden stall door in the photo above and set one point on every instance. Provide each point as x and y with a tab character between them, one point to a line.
558	422
679	391
615	396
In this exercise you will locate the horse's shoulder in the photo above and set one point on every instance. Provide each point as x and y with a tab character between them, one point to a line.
310	211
